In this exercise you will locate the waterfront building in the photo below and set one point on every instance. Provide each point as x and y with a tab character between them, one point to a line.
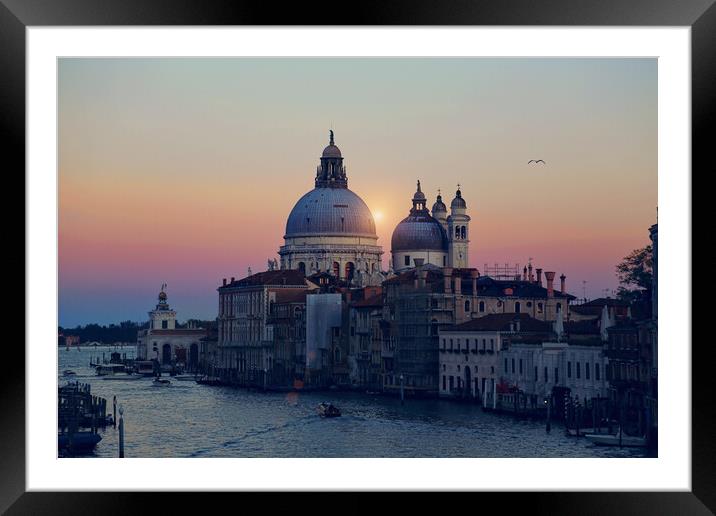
422	300
522	354
165	342
331	229
245	342
365	339
286	328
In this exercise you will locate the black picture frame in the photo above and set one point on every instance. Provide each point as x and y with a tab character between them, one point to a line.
16	15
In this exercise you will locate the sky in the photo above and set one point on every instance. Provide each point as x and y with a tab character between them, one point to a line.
184	170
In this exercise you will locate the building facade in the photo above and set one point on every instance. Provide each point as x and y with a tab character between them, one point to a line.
164	342
245	337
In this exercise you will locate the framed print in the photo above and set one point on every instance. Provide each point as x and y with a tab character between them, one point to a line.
416	253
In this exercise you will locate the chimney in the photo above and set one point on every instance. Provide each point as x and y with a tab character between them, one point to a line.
524	274
447	275
539	277
474	275
530	276
562	283
232	279
550	283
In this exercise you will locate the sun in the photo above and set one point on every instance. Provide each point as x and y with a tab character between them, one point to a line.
378	215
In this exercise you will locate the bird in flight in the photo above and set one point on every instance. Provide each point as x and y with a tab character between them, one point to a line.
536	161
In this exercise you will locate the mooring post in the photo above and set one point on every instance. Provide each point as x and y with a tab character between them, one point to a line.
549	414
402	392
114	411
121	432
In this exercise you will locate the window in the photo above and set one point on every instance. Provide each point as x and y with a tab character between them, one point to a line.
520	366
578	370
302	267
513	366
586	370
463	232
483	344
540	307
452	382
165	324
536	374
596	371
444	261
481	306
444	380
457	231
517	307
556	375
450	344
546	375
467	306
407	259
559	307
505	366
569	369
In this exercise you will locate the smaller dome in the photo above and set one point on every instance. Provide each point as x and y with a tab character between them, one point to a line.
439	205
332	151
458	201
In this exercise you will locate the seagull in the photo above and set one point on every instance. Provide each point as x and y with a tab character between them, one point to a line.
536	161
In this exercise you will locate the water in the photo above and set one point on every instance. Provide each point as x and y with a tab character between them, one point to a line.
185	419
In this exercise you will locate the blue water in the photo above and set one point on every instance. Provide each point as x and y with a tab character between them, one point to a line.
185	419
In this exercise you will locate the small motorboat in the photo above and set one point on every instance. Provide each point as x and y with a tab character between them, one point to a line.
618	439
68	372
123	377
161	381
328	410
79	441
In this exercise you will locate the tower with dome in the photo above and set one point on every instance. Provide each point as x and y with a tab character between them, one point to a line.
331	229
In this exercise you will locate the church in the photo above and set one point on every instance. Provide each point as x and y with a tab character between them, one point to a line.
331	230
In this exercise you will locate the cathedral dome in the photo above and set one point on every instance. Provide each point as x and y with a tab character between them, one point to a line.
330	211
419	232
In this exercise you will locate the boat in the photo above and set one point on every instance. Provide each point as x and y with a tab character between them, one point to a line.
80	441
68	372
618	439
161	381
144	367
185	377
123	377
328	410
110	369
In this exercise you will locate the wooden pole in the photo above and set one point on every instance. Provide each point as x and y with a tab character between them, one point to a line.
114	411
121	434
549	415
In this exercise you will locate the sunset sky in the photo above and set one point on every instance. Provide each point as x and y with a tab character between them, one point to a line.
183	171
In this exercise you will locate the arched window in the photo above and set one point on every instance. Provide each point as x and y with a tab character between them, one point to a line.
457	231
467	305
336	269
559	307
518	307
302	267
481	306
463	232
350	269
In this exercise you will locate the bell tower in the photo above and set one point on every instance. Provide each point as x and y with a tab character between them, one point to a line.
458	232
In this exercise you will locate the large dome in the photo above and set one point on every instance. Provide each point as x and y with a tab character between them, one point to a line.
330	211
419	232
